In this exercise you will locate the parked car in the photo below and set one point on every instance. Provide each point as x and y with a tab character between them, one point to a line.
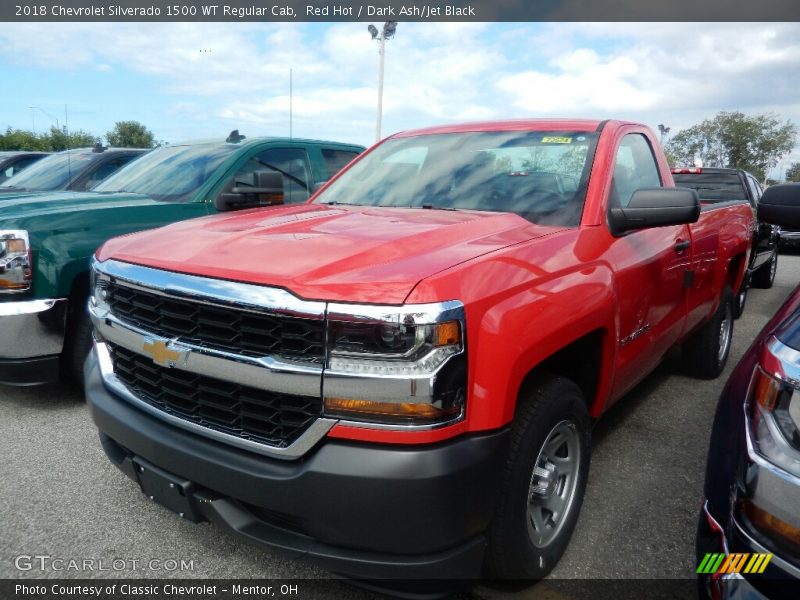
725	185
13	162
48	239
789	239
397	379
750	521
75	170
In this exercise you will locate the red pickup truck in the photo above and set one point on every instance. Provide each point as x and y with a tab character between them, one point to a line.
398	379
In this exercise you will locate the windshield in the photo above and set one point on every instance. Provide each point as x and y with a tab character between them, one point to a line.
538	175
170	174
713	187
51	173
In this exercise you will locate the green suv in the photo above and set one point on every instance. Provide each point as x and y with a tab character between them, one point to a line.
47	240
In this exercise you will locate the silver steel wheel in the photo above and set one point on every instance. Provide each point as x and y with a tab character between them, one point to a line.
725	329
551	493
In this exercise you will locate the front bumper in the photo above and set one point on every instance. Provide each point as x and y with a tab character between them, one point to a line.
789	238
781	579
31	340
365	511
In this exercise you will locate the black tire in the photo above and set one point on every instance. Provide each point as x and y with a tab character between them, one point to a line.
77	344
707	351
765	276
549	405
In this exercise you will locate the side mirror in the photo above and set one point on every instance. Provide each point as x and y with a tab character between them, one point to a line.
267	190
780	205
656	207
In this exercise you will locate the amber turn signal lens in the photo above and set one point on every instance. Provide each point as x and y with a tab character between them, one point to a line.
404	410
448	333
770	524
766	390
15	246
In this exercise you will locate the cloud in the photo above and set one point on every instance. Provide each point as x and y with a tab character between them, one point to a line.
238	73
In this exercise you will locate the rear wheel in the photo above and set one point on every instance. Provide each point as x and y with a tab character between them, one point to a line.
706	352
543	482
765	276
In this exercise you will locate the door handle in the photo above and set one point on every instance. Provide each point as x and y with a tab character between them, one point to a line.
682	245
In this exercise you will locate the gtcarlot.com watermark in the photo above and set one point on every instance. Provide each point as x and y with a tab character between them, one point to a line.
44	563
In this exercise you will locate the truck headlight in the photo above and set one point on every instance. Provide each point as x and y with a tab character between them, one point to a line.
774	424
773	411
16	270
404	366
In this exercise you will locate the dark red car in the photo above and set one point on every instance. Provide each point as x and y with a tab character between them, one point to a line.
748	541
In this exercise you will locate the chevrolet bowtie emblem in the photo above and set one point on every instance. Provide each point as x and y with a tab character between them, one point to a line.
161	353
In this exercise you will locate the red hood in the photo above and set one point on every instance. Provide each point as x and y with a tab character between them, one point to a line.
338	253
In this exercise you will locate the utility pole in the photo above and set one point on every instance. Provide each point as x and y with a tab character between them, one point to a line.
389	29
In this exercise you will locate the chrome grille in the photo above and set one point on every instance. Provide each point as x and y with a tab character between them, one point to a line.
217	327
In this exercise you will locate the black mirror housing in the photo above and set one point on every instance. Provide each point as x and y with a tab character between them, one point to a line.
780	205
656	207
267	190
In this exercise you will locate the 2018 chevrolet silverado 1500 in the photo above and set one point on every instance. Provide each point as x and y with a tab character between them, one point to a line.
397	379
46	240
732	185
748	539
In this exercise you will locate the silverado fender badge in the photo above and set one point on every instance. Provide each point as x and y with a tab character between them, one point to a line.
162	354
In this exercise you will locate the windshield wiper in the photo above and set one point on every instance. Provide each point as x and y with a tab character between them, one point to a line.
337	203
432	207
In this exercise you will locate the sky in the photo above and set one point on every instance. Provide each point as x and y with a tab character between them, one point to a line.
199	80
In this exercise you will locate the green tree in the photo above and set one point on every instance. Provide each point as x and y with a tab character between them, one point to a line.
130	134
20	139
732	139
793	172
61	140
53	140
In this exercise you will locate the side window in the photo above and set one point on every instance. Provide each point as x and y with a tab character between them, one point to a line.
105	169
291	163
336	160
634	167
21	164
755	189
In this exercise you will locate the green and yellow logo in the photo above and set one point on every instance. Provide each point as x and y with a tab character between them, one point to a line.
734	563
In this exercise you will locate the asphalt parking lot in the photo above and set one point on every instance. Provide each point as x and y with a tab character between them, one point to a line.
61	497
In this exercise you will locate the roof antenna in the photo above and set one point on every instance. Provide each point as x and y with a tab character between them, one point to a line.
235	137
69	155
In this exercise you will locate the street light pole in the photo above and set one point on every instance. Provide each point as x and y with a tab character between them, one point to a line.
387	33
381	53
46	114
664	130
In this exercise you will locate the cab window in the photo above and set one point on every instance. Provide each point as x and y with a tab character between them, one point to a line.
336	160
635	167
291	163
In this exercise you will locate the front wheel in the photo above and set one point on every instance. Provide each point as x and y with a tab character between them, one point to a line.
706	352
740	300
544	481
765	276
77	345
